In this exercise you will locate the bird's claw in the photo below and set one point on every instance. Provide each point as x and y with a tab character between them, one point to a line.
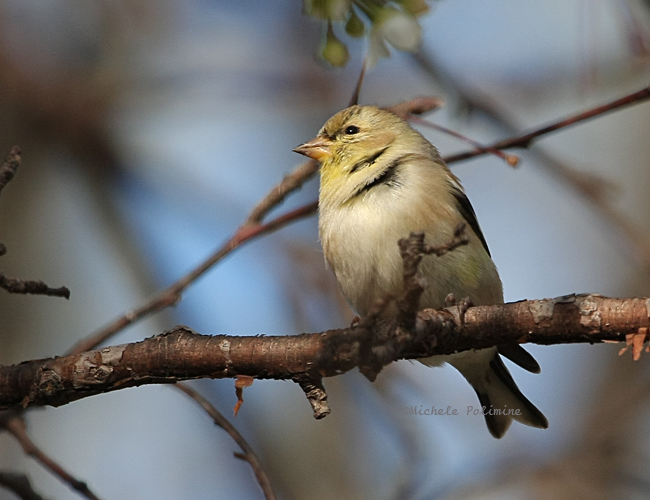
463	306
450	300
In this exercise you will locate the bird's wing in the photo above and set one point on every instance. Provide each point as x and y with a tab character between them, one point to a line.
467	211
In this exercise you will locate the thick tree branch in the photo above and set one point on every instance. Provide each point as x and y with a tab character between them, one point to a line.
182	354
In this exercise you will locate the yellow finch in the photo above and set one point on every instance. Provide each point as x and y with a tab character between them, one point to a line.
381	180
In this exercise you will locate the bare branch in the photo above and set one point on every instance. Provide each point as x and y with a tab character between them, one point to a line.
15	425
525	140
290	183
512	160
14	285
248	454
412	250
181	354
357	89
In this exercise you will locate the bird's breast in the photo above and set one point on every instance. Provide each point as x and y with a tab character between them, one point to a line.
360	245
360	242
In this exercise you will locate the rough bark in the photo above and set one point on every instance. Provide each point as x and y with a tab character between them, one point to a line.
182	354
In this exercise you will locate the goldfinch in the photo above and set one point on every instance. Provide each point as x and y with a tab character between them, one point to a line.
380	180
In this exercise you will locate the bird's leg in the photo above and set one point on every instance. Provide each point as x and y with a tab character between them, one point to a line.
370	365
463	306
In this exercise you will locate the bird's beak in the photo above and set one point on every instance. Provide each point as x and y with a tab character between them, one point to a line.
317	149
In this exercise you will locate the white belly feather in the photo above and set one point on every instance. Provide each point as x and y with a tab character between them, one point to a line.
360	238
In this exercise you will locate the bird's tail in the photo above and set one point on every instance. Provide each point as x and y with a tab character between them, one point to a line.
501	400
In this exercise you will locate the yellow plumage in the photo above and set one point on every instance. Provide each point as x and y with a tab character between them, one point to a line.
381	180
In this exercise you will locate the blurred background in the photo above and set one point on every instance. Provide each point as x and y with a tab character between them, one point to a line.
150	129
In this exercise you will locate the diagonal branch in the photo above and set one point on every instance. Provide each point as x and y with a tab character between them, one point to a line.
171	295
248	454
511	160
525	140
16	426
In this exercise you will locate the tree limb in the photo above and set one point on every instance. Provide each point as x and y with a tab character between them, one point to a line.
182	354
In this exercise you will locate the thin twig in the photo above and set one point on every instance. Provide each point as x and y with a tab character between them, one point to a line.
357	90
512	160
248	455
34	287
13	285
525	140
290	183
15	425
458	240
412	250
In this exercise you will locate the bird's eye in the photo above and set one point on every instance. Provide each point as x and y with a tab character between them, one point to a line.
352	129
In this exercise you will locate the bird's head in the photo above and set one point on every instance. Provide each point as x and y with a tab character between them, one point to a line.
356	145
